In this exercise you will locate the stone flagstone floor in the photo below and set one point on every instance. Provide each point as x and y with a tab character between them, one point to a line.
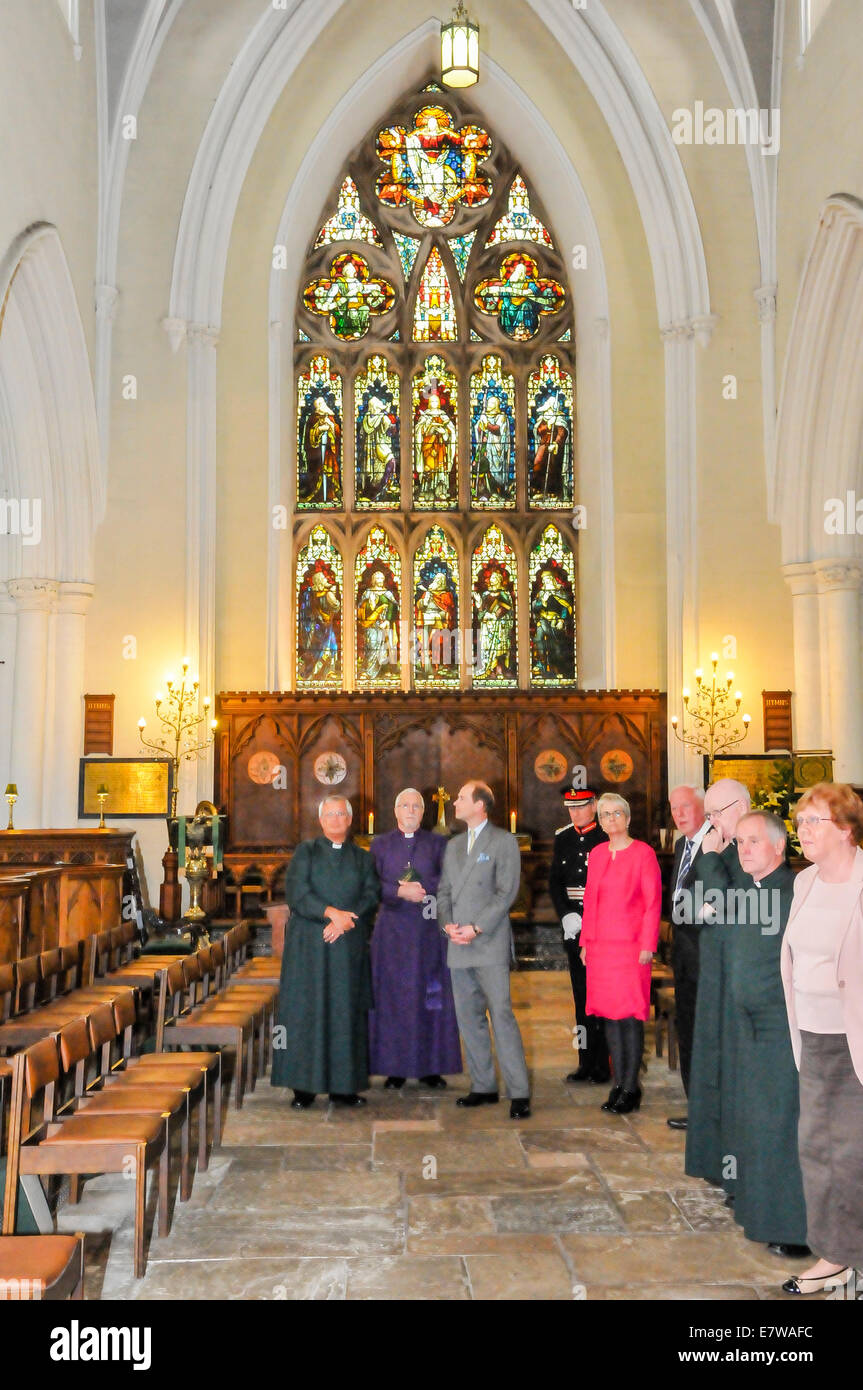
411	1198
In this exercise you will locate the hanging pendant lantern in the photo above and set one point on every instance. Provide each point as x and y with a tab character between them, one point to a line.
459	49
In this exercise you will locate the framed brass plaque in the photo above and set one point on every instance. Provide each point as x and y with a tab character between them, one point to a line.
138	788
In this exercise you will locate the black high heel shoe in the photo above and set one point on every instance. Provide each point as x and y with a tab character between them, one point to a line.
626	1101
613	1097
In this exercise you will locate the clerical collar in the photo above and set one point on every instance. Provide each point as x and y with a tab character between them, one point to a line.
333	844
408	834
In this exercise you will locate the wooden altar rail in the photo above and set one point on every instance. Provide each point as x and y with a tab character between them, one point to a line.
43	907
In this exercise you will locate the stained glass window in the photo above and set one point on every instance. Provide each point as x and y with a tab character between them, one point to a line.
434	313
377	436
319	579
319	437
519	297
435	437
552	611
492	436
433	167
348	222
518	222
549	435
377	585
407	247
494	587
436	654
349	296
435	333
461	249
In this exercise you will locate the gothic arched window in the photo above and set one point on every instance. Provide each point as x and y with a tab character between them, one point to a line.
435	373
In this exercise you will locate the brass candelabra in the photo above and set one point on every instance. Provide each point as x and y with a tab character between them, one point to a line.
713	712
181	721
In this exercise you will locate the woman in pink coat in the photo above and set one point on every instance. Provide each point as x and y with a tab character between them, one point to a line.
622	903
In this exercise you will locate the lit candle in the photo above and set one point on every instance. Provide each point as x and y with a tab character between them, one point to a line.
371	822
512	822
714	657
142	724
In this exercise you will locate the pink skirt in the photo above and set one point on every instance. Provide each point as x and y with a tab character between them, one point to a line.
617	986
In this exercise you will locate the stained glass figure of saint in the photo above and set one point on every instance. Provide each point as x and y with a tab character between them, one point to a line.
435	436
518	222
377	572
319	579
552	611
434	312
349	296
519	297
436	610
549	435
319	437
348	222
495	618
432	168
376	436
492	436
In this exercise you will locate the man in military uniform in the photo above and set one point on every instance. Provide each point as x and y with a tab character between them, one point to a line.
566	884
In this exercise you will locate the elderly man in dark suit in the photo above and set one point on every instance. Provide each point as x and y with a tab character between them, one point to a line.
687	812
479	884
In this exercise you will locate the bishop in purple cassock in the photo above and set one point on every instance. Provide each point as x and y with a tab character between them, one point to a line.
412	1027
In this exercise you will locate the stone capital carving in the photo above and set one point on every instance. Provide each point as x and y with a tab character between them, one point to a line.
74	598
700	327
106	297
835	575
176	331
202	334
33	595
800	578
765	297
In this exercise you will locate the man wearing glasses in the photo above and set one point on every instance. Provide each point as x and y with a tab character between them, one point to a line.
710	1143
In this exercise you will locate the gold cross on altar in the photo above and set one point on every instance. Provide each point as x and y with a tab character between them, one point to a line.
441	796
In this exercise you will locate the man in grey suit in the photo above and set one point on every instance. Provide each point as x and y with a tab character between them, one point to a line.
479	884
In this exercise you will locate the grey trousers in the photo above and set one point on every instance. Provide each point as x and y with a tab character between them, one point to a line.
480	992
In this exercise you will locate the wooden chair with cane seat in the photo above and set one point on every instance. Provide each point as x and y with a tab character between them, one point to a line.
82	1145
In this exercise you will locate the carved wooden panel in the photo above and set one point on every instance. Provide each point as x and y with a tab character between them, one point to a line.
390	741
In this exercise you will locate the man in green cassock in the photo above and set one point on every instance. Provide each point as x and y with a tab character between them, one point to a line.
333	891
710	1134
769	1202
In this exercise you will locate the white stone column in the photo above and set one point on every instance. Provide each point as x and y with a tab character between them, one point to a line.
680	528
200	625
811	716
65	742
839	597
34	599
7	677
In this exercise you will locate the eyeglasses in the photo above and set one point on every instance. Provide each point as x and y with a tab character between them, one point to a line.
711	815
812	821
608	815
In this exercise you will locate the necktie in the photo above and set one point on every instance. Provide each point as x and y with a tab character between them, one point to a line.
684	866
470	839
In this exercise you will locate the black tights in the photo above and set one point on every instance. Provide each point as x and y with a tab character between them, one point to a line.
626	1044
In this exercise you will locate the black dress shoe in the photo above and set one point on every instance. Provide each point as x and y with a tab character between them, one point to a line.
434	1082
520	1109
729	1199
626	1101
394	1083
583	1074
302	1100
347	1100
613	1097
680	1122
478	1098
790	1251
797	1283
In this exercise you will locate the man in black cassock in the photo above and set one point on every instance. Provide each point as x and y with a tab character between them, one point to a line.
769	1202
332	890
572	845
